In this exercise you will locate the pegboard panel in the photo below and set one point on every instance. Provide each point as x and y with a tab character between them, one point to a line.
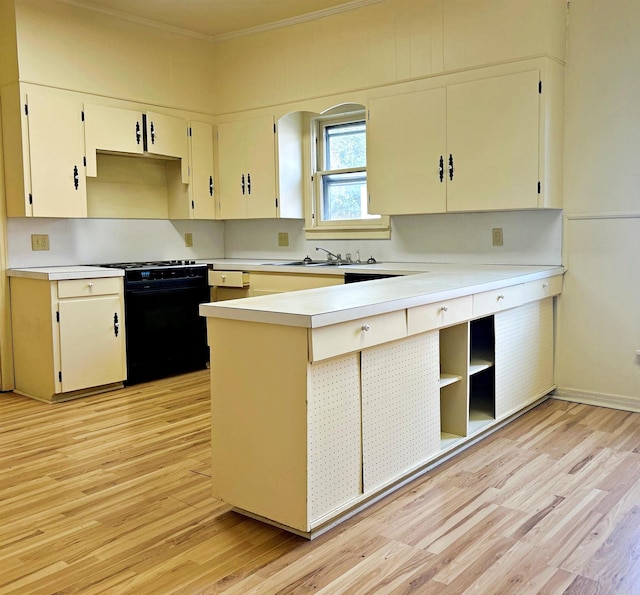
334	437
400	406
524	355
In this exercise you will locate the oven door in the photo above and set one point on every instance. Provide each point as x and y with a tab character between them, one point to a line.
165	333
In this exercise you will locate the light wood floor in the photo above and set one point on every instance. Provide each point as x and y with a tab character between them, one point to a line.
111	494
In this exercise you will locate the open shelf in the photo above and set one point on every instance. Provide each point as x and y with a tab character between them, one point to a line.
478	364
447	379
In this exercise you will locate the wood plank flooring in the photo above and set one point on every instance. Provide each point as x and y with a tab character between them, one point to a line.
111	494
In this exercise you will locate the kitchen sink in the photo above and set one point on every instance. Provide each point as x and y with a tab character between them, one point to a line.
316	263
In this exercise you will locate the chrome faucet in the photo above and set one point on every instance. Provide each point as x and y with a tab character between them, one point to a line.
330	254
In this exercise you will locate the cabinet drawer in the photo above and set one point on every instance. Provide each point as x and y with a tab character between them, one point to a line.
543	288
88	287
489	302
228	279
329	341
439	314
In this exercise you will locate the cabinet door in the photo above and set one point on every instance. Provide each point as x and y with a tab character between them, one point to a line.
168	136
203	204
406	141
110	129
232	169
246	169
56	154
523	355
335	443
92	353
400	407
492	136
261	169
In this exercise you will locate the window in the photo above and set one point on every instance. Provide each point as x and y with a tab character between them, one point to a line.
340	196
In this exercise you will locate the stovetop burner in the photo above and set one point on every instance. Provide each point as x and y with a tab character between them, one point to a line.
150	264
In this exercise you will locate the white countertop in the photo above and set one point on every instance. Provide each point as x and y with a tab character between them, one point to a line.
313	308
275	266
67	272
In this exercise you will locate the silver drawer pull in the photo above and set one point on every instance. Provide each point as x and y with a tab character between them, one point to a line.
500	297
366	327
444	309
90	285
545	285
223	277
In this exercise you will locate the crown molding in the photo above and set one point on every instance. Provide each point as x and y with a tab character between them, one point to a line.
319	14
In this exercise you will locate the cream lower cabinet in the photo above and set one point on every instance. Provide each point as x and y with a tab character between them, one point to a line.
231	285
309	424
68	336
43	151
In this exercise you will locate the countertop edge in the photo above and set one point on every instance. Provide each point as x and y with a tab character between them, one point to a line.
255	310
65	273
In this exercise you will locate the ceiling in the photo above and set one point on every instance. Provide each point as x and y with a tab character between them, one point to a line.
219	19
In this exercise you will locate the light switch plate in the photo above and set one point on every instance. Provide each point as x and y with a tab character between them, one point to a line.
283	238
188	240
496	234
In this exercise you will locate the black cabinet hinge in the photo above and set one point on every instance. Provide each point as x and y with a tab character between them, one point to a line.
274	128
540	87
57	316
26	109
30	198
193	205
539	187
276	202
59	376
189	133
82	115
84	161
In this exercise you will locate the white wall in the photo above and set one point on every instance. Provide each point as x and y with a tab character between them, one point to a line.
95	241
599	310
530	237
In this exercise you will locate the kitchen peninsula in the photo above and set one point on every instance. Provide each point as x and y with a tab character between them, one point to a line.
326	399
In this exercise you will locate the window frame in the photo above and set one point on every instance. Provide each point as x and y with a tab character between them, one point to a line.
370	227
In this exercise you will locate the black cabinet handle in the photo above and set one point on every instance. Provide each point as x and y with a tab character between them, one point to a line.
210	185
441	168
116	324
450	166
248	183
153	133
242	184
138	133
76	177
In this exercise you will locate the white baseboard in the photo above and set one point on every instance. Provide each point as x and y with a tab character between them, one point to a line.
600	400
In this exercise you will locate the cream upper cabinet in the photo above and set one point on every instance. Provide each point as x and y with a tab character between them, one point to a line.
492	143
484	143
481	32
169	136
111	129
44	153
68	336
406	144
247	169
201	186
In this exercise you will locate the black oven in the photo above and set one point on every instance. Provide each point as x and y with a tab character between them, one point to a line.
165	335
